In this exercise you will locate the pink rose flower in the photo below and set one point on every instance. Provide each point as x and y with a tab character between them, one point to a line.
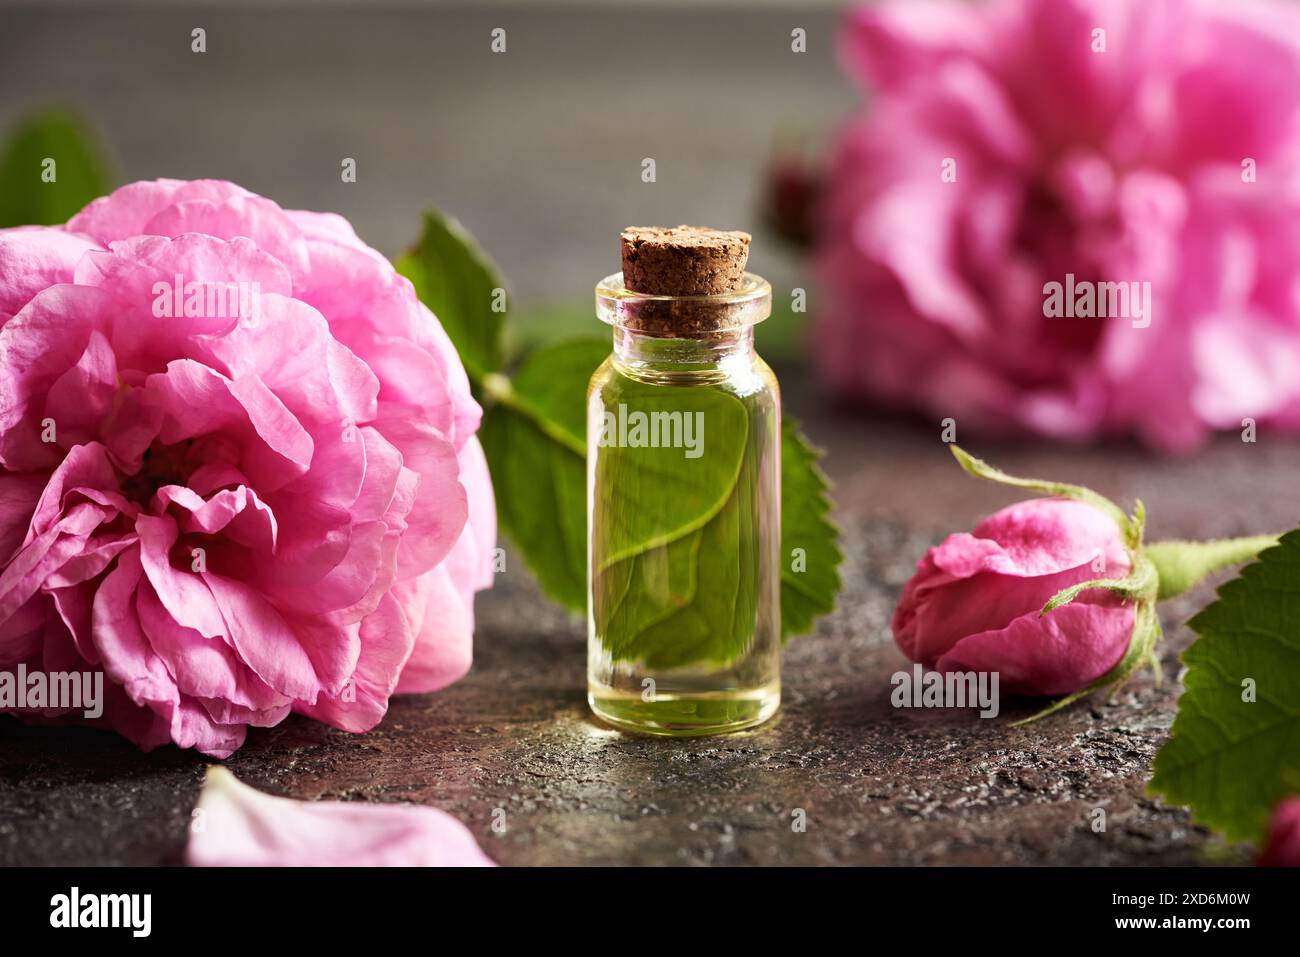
237	826
234	507
1282	848
976	599
1010	145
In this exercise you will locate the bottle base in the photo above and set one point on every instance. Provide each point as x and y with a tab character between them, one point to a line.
684	715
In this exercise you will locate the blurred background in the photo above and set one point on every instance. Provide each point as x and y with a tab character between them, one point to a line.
537	150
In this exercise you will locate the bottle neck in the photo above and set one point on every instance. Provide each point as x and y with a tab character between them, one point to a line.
716	350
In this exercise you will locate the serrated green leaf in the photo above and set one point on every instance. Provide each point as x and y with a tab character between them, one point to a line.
459	283
668	576
533	434
809	593
79	171
716	622
672	495
535	449
678	534
1231	759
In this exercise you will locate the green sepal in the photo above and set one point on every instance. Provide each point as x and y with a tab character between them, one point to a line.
1139	585
1131	527
1180	564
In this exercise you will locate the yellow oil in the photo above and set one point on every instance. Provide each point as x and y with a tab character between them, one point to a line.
668	690
687	714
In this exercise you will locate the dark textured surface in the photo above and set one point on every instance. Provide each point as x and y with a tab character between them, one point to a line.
877	785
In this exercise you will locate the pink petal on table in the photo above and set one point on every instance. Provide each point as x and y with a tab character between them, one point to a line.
238	826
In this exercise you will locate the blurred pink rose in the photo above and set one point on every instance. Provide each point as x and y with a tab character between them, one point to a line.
239	507
1005	150
1282	847
237	826
974	603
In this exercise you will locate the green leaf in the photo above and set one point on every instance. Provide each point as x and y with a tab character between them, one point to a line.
535	327
715	621
460	284
673	495
79	171
533	434
679	533
810	578
667	577
1231	759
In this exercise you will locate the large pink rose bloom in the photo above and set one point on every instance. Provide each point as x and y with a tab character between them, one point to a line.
239	507
1169	158
976	599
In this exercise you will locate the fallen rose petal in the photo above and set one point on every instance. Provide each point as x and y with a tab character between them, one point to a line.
237	826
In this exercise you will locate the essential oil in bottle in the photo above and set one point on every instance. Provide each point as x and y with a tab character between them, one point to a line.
683	491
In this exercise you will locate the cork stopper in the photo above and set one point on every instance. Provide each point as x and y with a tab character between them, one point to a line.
692	278
683	260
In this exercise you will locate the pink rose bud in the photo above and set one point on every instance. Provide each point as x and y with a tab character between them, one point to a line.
976	600
1282	849
1055	595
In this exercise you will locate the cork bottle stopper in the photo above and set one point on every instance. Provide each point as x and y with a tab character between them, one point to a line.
683	260
691	264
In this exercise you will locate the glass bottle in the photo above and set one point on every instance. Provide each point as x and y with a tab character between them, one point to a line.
684	514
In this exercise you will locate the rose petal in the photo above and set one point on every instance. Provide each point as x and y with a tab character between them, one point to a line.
237	826
1054	654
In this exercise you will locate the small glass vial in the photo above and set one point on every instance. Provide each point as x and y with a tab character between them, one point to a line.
684	494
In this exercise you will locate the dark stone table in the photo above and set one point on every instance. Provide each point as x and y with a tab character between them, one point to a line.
877	785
